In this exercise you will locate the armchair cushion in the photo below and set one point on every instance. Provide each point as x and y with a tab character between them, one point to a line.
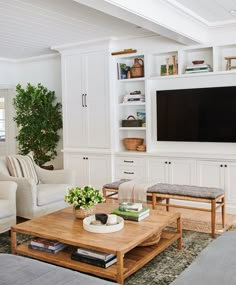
51	193
7	208
22	166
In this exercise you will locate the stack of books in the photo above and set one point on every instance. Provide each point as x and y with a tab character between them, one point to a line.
198	68
46	245
93	257
132	211
135	98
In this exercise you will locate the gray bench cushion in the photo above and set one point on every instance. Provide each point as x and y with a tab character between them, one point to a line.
116	184
215	264
18	270
186	190
174	189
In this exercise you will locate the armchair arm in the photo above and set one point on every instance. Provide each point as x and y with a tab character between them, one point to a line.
8	190
26	194
64	176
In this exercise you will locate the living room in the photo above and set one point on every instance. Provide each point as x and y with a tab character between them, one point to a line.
68	45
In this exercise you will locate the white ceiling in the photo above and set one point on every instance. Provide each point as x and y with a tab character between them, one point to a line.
211	12
29	28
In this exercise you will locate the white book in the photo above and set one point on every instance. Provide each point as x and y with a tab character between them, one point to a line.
94	253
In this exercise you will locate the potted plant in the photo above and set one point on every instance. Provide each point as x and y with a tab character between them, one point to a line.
39	119
83	200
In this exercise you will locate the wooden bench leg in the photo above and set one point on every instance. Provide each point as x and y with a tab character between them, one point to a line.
223	211
154	199
213	217
167	203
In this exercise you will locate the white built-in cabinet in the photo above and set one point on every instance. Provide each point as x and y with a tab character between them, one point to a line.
218	174
171	170
93	109
86	101
91	169
86	112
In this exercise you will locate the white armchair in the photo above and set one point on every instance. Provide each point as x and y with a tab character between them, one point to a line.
34	200
7	205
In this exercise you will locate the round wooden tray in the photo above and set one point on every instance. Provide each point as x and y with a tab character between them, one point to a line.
102	228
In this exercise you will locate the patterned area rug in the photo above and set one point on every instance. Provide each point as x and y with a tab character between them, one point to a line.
163	269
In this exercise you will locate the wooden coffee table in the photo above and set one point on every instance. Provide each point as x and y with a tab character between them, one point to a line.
64	227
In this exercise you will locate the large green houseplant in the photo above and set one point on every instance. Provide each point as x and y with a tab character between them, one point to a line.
39	119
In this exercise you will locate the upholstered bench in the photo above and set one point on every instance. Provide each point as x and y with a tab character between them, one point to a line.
160	191
19	270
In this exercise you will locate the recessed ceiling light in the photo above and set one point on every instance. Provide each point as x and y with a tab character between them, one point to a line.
232	11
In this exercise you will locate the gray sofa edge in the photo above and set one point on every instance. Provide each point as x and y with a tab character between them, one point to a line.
214	265
19	270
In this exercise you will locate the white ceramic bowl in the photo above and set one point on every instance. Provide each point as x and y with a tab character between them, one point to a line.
102	228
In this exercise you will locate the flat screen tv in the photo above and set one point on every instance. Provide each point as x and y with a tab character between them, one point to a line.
197	115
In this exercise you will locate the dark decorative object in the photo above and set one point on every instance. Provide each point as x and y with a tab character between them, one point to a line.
101	217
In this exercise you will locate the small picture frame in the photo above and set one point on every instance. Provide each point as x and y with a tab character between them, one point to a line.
141	115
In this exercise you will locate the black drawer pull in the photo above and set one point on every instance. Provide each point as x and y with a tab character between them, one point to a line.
129	161
127	172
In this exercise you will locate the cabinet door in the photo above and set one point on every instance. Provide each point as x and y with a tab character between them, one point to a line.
74	119
77	162
97	100
99	170
210	173
181	171
157	170
230	182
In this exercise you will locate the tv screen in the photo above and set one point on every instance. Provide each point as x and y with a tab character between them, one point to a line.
197	115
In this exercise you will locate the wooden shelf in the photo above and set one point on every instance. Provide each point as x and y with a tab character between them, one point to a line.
132	129
133	260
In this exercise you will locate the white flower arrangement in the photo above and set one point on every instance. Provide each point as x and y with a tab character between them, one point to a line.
83	198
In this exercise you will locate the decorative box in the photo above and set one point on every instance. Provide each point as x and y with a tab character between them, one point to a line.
131	122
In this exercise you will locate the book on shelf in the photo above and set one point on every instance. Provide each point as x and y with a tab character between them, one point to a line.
132	215
94	253
56	245
198	68
93	260
47	249
45	241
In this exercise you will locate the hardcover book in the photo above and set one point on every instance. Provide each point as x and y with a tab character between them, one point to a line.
128	206
47	249
45	241
94	261
53	247
93	253
131	215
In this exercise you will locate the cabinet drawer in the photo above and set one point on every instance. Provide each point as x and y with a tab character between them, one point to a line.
129	161
124	172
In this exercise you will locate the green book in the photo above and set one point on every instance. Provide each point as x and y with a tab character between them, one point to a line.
133	214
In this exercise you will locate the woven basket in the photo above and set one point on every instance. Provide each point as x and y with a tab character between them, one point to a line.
83	213
132	143
153	239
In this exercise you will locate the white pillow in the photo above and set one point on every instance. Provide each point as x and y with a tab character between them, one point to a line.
22	166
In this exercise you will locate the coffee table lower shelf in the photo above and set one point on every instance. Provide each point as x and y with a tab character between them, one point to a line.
133	260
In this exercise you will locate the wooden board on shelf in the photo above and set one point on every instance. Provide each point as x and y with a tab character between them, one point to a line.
125	51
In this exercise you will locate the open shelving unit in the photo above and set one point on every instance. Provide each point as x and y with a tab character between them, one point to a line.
125	109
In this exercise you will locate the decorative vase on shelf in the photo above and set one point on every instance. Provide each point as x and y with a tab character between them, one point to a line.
83	213
137	70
